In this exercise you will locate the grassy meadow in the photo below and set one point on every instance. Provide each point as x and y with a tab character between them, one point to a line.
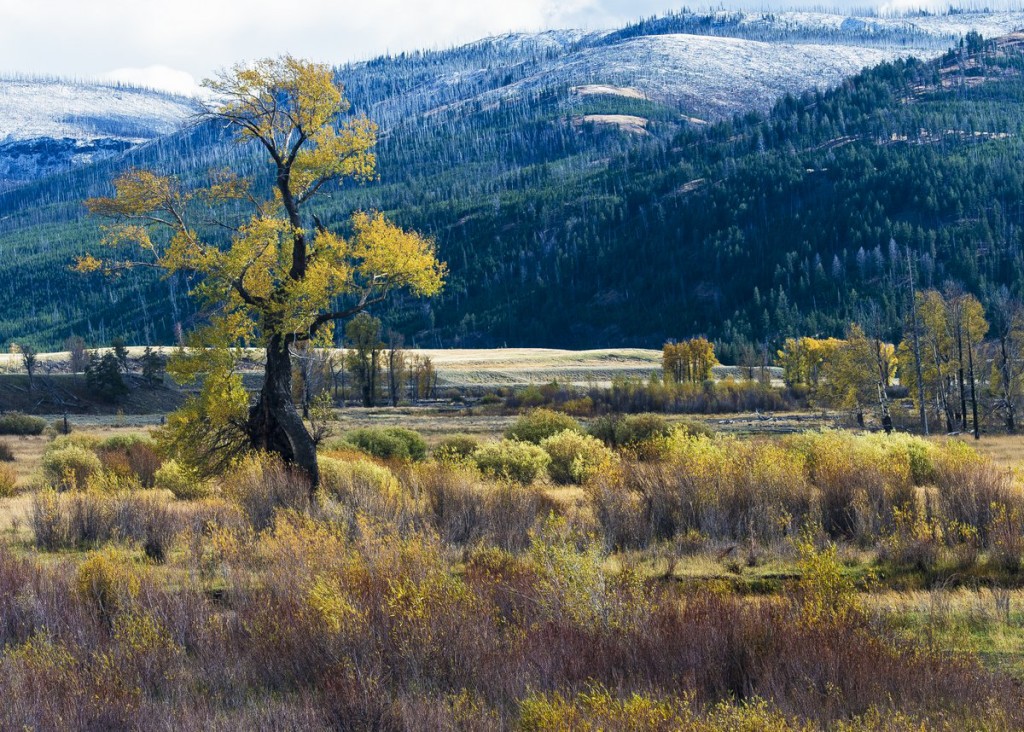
482	566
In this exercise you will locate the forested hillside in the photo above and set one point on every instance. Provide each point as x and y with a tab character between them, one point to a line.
582	205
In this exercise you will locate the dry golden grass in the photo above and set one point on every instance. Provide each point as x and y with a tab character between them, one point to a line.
14	517
28	451
433	424
1005	450
983	621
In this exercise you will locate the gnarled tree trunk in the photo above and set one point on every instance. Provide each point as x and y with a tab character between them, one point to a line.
274	422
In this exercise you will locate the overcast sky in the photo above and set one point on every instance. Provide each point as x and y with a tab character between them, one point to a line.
172	44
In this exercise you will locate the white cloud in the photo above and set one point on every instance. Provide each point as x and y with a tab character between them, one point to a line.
88	39
157	77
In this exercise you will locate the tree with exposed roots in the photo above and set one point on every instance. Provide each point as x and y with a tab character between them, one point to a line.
285	279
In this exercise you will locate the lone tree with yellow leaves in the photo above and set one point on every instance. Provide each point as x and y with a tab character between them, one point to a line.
285	279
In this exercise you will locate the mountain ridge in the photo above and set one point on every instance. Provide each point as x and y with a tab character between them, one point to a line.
49	125
544	215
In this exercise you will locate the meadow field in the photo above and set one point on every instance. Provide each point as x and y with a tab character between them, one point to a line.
487	567
483	367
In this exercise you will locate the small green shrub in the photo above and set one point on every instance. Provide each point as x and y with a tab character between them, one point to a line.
694	429
514	460
540	424
917	453
183	482
414	442
388	443
342	478
574	457
603	428
456	448
89	442
130	455
109	481
635	429
15	423
632	430
6	452
123	441
69	466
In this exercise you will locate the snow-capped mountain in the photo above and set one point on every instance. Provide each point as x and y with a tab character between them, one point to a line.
49	125
702	66
548	163
707	77
708	66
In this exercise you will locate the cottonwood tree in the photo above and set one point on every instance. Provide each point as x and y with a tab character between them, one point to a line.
284	279
75	346
937	357
856	373
953	327
29	360
396	367
688	361
968	327
422	377
801	359
1008	365
362	334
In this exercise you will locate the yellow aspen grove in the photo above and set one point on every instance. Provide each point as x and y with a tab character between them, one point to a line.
279	282
688	361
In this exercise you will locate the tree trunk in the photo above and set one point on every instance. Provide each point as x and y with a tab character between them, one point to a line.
1011	423
274	423
974	395
917	346
963	389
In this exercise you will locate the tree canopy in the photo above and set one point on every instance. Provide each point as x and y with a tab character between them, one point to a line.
285	278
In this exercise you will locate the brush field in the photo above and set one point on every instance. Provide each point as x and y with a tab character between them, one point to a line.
665	574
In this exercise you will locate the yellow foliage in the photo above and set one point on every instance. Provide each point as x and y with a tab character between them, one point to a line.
332	607
8	480
44	655
398	258
827	594
278	281
801	359
688	361
140	635
184	483
598	709
108	581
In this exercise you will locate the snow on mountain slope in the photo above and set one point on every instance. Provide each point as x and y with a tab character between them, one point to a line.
706	65
49	125
703	65
704	75
941	26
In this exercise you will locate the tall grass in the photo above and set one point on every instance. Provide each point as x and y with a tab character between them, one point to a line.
316	626
425	595
846	486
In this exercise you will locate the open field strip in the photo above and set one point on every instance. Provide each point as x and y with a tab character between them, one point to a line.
481	367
